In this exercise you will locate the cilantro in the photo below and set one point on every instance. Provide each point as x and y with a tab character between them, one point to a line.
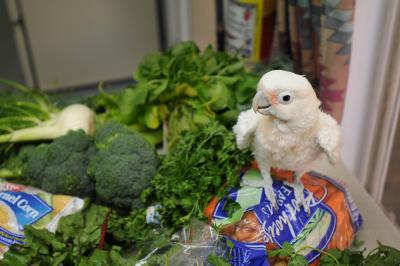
231	207
382	255
357	243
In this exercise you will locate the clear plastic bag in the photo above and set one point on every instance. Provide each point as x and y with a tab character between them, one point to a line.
190	246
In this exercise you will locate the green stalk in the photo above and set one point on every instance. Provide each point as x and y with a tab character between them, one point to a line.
32	134
37	96
15	119
6	173
5	138
26	109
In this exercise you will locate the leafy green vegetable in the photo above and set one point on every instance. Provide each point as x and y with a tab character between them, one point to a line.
231	207
74	243
34	118
133	229
382	255
182	88
286	251
201	165
357	243
344	257
20	107
217	261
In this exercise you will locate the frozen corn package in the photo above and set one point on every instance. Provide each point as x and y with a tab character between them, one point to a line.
22	205
331	223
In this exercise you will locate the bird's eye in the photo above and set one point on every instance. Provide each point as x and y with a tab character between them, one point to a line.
285	97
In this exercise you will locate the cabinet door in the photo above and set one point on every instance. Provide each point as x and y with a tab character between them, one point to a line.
75	42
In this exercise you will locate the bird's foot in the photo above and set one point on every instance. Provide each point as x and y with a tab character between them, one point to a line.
301	201
270	194
298	189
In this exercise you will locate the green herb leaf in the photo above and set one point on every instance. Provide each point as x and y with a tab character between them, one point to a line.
151	117
214	260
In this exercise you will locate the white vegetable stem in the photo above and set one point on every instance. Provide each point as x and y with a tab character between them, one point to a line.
73	117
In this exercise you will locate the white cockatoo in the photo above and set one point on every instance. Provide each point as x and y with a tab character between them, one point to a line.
287	130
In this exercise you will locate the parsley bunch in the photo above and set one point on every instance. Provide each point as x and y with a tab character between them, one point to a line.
201	165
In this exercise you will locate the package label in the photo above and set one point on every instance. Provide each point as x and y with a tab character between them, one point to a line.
19	209
289	222
240	26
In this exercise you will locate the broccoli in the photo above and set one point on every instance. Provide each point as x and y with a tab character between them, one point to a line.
15	164
56	167
117	165
122	167
60	167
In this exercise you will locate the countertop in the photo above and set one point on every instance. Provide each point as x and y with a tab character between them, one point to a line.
376	226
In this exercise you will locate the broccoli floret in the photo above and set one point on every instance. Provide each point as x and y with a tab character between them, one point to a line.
110	130
122	167
56	167
15	165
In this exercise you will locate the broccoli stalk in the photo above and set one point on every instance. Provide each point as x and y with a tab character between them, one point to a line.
29	116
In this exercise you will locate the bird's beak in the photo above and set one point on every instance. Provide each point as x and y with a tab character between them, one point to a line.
260	103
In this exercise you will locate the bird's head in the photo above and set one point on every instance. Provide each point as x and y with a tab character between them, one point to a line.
285	96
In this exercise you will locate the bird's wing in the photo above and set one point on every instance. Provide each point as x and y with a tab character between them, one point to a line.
329	137
245	128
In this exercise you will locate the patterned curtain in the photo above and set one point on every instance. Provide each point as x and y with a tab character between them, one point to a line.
317	35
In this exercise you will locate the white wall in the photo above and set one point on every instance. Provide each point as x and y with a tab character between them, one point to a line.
368	22
78	42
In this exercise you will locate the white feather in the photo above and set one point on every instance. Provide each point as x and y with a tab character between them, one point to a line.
245	128
328	137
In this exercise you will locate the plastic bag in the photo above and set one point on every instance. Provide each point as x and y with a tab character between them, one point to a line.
190	246
332	222
21	205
